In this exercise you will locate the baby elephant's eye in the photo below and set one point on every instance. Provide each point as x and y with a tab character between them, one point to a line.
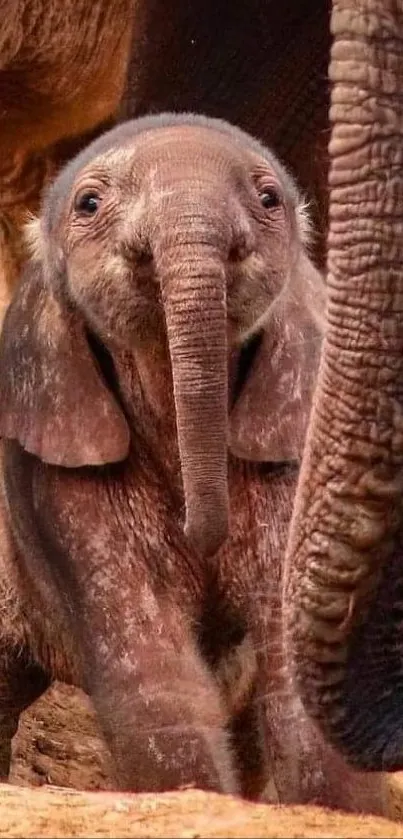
87	203
270	198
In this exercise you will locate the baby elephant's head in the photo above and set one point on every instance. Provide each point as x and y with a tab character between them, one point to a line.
172	229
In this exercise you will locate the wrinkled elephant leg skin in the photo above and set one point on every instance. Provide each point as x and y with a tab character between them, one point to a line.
247	738
20	686
344	612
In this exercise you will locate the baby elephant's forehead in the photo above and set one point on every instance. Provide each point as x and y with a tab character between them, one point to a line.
165	146
179	145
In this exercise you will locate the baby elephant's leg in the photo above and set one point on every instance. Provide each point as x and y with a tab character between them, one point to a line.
21	683
236	675
247	735
159	706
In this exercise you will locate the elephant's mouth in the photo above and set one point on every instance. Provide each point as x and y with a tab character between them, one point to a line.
240	366
105	364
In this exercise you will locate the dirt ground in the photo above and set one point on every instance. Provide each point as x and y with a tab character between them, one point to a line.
58	743
58	813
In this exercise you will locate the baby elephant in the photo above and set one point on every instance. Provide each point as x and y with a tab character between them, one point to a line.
164	333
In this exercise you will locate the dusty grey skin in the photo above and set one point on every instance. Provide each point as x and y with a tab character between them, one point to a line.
344	582
142	560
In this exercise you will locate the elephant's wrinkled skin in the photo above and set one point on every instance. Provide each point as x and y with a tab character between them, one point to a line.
345	583
161	249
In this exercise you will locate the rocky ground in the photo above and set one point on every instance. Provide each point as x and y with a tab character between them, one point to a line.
58	743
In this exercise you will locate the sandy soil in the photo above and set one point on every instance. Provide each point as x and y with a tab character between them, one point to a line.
66	813
59	744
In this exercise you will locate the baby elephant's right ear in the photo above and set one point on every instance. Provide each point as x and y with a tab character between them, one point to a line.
53	399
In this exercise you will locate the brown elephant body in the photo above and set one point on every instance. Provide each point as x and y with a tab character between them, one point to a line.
63	69
117	380
227	623
62	74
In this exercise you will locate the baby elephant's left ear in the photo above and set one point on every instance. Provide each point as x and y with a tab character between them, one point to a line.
269	419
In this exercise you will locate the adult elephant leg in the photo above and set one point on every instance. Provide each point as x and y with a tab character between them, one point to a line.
344	585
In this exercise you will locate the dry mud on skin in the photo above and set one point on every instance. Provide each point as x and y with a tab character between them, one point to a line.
58	743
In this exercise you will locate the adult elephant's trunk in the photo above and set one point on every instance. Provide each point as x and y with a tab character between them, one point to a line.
344	576
192	278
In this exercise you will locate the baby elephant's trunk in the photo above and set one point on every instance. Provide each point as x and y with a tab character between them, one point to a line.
192	275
